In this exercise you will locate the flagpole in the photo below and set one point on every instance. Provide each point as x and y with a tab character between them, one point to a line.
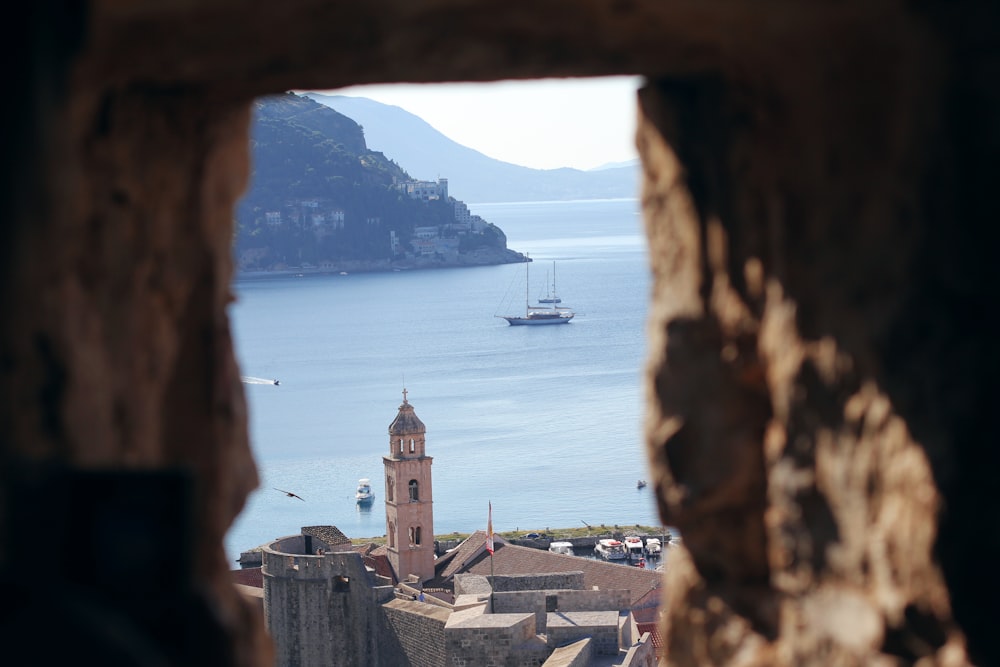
490	547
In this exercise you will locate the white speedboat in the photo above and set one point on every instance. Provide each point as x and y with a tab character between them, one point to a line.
633	547
653	547
364	495
561	548
610	549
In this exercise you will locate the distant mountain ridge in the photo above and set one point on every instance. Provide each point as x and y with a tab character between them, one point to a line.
427	154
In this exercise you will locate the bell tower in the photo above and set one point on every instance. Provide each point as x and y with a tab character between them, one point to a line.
409	510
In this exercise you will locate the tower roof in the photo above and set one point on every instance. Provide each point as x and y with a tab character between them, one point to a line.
406	420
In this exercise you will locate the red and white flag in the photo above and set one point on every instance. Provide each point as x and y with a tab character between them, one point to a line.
489	531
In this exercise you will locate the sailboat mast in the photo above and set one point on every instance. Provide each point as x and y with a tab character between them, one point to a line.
527	261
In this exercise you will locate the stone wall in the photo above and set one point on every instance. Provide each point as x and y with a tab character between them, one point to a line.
577	654
585	600
537	582
322	610
601	627
475	638
530	601
419	629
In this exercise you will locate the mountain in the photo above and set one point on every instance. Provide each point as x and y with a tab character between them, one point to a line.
472	176
318	197
630	164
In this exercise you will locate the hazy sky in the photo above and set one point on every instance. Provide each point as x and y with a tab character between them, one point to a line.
548	123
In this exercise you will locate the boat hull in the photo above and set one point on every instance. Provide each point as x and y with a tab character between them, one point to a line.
534	321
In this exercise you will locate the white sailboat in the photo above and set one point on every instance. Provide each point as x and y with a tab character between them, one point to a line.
534	315
552	296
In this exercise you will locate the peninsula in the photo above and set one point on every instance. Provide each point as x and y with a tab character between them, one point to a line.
321	201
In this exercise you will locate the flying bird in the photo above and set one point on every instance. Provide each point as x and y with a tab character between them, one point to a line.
289	494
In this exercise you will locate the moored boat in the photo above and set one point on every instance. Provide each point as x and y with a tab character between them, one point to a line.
633	547
653	547
610	549
551	297
561	548
364	495
537	315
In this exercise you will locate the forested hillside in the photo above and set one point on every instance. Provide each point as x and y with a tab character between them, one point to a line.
318	196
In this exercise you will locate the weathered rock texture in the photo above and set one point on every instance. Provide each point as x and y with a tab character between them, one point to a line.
817	198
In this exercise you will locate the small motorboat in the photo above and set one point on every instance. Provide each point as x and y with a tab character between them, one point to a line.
276	383
561	548
633	547
364	495
653	547
610	549
640	484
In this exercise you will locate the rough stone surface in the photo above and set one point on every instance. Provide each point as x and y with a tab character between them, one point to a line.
818	201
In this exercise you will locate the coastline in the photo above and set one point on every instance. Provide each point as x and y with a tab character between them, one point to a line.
481	257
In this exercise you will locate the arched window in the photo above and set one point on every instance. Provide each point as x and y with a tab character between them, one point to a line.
390	488
400	445
413	536
417	540
414	490
392	534
413	446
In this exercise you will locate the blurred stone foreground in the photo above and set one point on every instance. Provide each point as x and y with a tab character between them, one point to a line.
817	196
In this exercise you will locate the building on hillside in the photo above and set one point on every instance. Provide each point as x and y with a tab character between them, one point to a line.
425	190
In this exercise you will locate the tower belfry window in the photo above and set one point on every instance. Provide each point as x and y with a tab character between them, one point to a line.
414	490
413	446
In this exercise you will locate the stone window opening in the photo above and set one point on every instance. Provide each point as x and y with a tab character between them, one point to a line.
414	491
499	71
390	489
413	446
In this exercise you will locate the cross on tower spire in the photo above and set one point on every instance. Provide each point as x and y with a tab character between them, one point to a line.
404	394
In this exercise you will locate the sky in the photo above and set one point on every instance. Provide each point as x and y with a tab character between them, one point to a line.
544	124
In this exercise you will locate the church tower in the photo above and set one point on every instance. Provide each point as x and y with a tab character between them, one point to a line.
409	510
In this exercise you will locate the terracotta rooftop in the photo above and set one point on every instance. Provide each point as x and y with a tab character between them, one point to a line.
376	556
406	421
250	576
451	563
329	534
510	559
653	628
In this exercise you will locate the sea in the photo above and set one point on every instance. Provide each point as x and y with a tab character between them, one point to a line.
544	424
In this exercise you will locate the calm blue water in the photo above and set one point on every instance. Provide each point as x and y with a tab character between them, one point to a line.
545	422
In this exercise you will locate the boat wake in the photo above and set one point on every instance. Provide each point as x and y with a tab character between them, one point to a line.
252	380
